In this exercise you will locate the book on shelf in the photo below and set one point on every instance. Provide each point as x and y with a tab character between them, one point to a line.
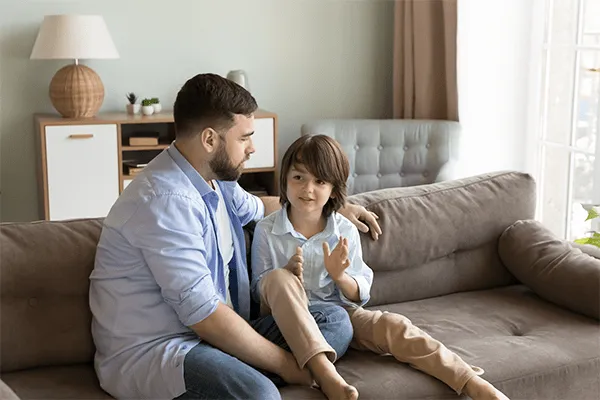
134	163
143	141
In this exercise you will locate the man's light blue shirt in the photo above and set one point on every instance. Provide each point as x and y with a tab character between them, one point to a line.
158	271
275	241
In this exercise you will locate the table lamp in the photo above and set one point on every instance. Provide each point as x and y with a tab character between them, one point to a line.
75	90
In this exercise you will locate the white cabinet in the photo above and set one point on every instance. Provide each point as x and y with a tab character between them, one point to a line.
264	144
82	170
80	160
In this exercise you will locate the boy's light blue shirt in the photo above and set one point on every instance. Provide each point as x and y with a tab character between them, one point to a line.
158	271
275	241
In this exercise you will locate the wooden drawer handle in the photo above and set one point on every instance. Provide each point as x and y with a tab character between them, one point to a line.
81	136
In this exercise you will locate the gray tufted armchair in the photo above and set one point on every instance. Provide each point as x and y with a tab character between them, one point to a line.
393	153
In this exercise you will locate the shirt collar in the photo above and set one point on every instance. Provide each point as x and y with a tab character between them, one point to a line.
283	225
197	180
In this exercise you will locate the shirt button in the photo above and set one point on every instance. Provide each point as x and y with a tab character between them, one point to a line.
380	147
402	174
378	175
356	147
428	145
355	174
405	148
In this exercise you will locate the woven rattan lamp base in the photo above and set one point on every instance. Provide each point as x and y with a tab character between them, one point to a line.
76	91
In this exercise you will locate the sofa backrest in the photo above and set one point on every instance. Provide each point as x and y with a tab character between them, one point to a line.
438	239
44	308
385	153
443	238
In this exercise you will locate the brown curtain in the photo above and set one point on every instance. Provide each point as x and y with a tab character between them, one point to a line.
425	60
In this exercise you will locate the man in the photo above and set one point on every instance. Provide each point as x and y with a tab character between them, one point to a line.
169	291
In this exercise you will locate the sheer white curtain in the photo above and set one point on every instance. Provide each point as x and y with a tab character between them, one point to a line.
494	68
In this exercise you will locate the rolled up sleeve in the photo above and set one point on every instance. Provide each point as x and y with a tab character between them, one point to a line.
261	259
168	231
247	206
362	274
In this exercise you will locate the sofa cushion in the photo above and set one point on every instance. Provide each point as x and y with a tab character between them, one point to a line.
44	293
443	238
65	382
551	267
525	345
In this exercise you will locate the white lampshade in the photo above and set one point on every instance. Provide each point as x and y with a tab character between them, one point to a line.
73	37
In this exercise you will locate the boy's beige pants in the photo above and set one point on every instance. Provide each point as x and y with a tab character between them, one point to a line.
283	296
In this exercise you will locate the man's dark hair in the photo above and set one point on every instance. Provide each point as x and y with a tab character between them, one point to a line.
209	101
323	157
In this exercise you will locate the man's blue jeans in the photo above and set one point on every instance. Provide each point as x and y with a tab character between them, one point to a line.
210	373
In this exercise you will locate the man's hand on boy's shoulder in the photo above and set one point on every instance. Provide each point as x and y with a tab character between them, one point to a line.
356	214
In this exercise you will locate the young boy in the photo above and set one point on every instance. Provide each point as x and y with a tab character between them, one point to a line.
291	252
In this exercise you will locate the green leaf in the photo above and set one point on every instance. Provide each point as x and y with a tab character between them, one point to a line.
592	214
594	241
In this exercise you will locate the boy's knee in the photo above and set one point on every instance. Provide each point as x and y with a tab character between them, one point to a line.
279	277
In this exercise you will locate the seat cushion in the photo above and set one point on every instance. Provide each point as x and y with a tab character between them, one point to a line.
529	348
64	382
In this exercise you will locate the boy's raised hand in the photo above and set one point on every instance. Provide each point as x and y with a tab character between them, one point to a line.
336	261
295	265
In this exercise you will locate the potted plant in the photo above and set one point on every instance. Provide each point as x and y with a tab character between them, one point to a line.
594	237
147	108
156	104
132	107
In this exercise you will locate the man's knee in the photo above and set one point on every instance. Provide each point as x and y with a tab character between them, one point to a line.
335	319
263	388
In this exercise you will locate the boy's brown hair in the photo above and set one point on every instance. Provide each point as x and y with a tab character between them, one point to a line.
323	157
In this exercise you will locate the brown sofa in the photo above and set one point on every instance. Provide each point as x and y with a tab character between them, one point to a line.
449	259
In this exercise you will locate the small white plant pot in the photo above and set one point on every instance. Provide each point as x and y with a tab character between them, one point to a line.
157	108
133	109
147	110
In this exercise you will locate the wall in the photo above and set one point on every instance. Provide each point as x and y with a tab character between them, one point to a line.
304	59
497	72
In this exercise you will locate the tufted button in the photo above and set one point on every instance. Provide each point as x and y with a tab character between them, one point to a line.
379	175
428	145
33	302
356	147
425	174
380	147
355	174
405	148
402	173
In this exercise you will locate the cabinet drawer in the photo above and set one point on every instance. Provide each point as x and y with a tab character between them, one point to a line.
83	170
264	144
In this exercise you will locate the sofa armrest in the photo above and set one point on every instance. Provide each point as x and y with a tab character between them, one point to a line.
553	268
588	249
6	393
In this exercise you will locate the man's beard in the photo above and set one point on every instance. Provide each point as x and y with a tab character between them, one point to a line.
222	166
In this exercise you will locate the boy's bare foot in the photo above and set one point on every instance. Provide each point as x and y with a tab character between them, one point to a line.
330	381
478	388
338	390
